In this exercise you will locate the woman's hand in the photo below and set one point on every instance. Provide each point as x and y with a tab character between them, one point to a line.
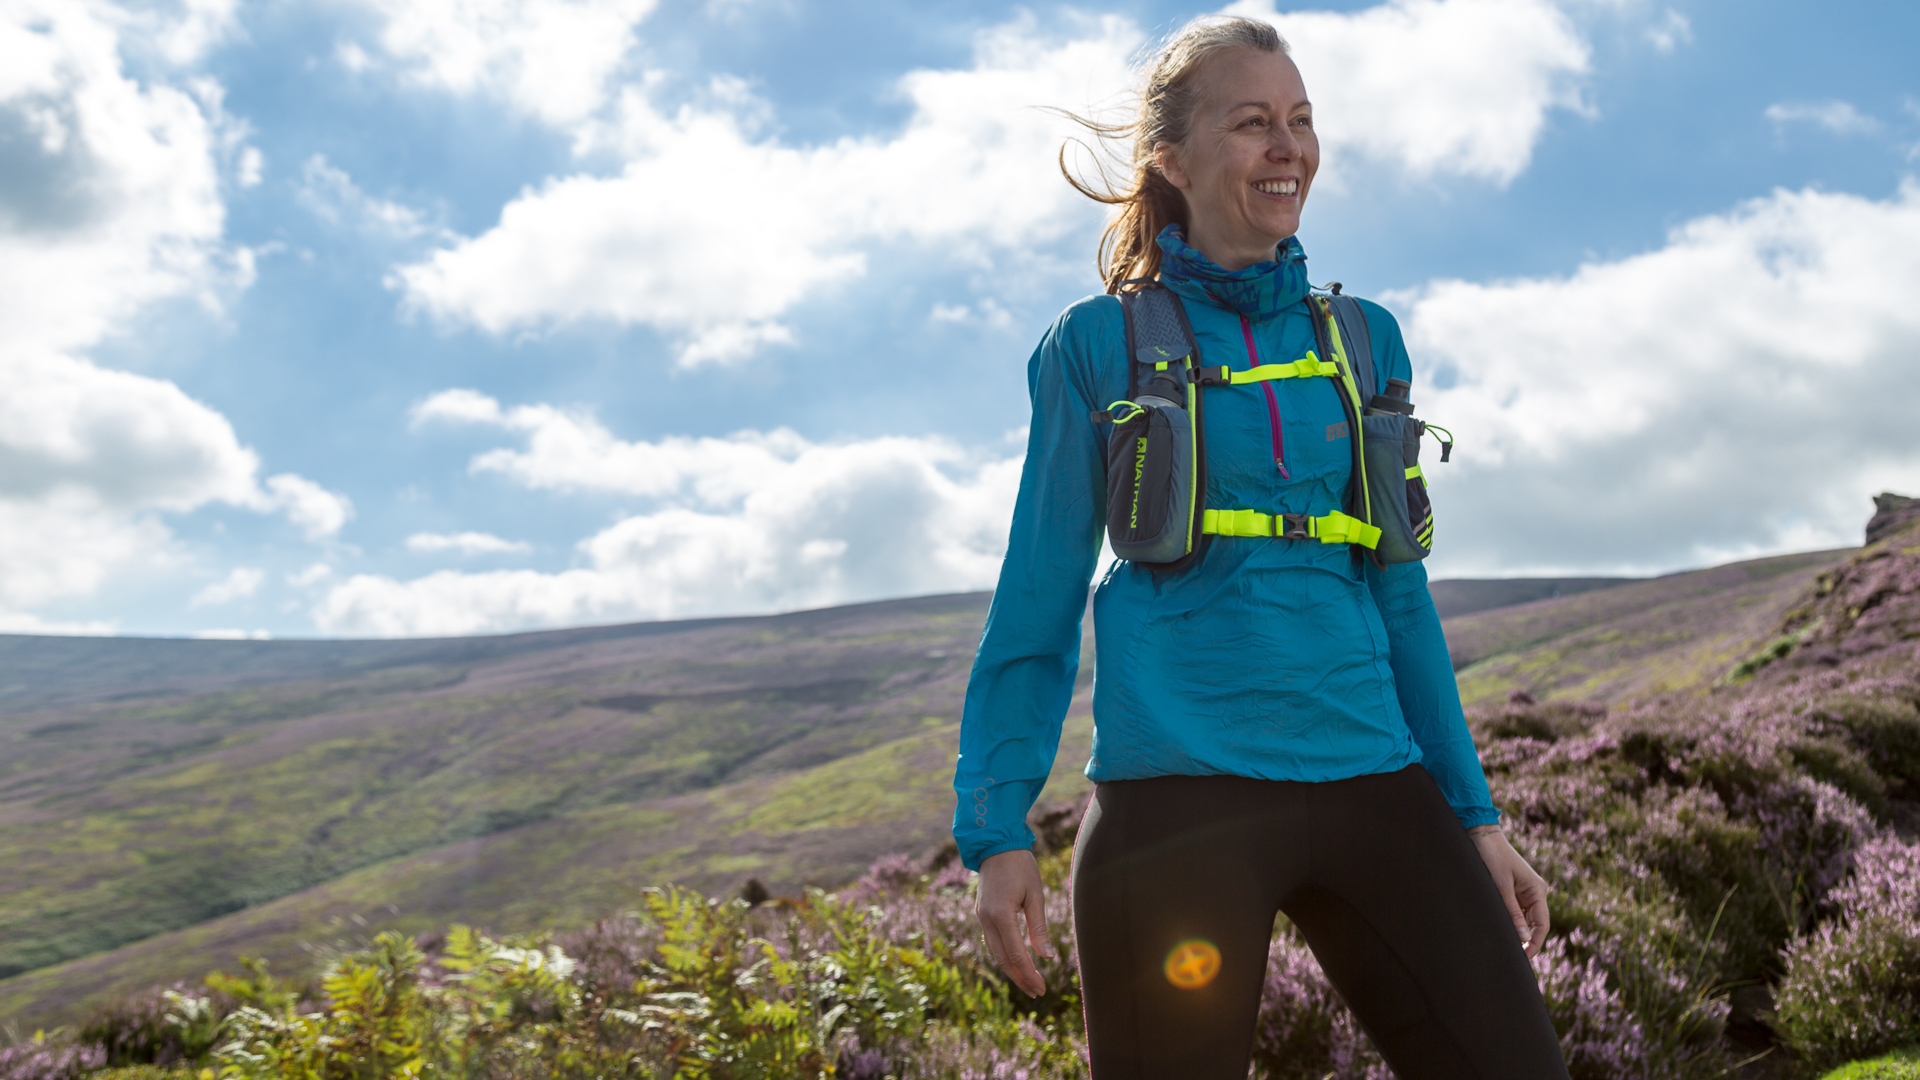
1524	891
1010	887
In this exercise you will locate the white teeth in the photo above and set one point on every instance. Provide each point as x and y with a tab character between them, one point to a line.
1278	187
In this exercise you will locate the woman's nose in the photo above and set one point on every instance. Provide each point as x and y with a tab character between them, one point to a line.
1282	146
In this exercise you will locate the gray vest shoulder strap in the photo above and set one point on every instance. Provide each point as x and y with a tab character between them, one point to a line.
1353	333
1157	330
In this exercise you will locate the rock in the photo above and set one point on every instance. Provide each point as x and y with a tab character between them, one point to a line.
1891	514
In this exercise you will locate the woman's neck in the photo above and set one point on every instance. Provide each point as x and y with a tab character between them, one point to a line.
1228	252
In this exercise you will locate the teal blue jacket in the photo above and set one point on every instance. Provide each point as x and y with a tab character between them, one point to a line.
1272	658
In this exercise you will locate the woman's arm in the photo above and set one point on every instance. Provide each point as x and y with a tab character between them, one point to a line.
1023	673
1029	655
1422	668
1430	697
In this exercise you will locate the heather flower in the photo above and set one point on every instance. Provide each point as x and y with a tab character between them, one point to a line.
1293	1035
1600	1038
42	1058
1852	988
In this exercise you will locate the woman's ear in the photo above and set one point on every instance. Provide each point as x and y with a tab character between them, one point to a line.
1166	157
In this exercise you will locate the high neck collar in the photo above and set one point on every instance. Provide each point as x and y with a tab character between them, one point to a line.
1258	292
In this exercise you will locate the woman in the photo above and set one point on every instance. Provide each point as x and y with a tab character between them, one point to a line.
1276	727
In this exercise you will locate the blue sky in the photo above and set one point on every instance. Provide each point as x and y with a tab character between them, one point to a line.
351	317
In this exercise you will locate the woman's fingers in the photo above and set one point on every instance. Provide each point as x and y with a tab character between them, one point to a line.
1016	961
1521	889
1533	892
1036	913
1009	888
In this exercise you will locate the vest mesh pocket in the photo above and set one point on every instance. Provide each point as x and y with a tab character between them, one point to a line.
1396	490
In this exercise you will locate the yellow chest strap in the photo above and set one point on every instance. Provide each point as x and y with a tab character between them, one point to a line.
1307	367
1333	528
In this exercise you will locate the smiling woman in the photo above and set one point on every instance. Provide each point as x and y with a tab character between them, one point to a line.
1276	724
1195	68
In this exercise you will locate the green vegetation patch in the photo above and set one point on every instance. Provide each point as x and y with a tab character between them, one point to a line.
1900	1065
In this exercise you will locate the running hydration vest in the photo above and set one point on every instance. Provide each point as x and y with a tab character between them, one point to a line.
1157	451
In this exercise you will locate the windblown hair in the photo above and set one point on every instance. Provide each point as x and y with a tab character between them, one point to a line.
1169	95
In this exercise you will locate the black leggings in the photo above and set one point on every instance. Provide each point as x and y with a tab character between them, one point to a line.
1377	874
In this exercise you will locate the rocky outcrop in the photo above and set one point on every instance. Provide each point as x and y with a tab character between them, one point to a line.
1892	513
1866	607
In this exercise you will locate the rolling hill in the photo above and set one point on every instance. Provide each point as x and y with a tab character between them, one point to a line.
166	806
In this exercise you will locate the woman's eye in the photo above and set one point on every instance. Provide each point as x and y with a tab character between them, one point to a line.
1254	121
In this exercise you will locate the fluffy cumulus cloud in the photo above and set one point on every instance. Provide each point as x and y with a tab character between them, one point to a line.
551	59
713	231
752	522
332	195
1460	87
466	543
1839	117
1740	390
241	583
110	200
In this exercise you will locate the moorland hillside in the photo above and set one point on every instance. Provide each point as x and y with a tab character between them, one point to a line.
167	806
1736	892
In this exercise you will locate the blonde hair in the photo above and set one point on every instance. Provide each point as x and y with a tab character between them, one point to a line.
1169	95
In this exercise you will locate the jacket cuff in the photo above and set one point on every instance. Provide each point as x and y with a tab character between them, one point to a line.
1475	816
978	845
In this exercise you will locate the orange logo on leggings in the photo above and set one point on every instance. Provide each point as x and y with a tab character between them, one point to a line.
1193	964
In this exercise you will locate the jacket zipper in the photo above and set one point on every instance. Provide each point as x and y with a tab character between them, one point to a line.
1274	428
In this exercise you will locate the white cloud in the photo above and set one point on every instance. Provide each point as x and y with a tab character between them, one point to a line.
318	512
241	583
330	193
111	196
1672	31
466	543
63	543
713	235
1839	117
252	168
752	522
312	575
128	441
110	200
551	59
231	634
1438	87
714	232
16	622
987	313
1741	390
191	32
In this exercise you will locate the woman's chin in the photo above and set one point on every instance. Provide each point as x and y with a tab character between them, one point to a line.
1283	226
1269	230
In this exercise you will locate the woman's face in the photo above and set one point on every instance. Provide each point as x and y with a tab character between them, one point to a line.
1249	158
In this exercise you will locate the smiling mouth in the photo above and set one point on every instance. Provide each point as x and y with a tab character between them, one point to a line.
1277	187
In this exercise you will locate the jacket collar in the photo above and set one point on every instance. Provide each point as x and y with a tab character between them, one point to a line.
1259	292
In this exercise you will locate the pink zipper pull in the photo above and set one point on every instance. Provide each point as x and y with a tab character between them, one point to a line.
1275	428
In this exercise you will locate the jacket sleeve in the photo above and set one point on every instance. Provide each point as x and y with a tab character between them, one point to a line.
1422	670
1029	656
